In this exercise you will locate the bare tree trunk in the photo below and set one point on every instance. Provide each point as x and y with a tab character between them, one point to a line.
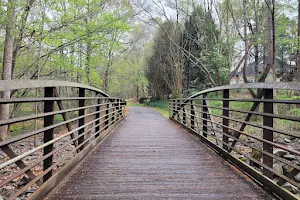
270	42
256	29
7	65
107	72
246	47
245	42
19	39
272	48
38	72
271	38
88	47
298	51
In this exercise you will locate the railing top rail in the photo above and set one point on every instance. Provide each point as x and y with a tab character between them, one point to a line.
265	85
29	84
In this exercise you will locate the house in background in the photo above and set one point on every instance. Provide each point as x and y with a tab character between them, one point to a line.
284	72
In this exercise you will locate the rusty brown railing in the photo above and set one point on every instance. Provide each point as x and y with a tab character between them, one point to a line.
259	135
46	142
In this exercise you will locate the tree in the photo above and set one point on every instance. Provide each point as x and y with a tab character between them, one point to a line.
7	63
298	43
164	65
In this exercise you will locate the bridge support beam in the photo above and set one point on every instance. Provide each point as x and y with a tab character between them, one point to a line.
48	134
204	115
225	118
81	120
183	115
268	134
178	109
97	117
107	115
192	115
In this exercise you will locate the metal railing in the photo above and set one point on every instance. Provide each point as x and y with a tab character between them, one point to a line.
259	135
69	119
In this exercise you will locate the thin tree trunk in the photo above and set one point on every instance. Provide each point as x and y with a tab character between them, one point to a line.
38	72
245	42
246	48
7	65
298	51
19	39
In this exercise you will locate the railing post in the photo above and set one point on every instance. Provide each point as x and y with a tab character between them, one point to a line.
113	103
183	115
122	107
169	107
81	113
177	106
118	109
192	115
268	134
225	120
48	134
204	116
97	116
107	115
174	108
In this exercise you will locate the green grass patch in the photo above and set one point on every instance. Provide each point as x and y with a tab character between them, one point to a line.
23	127
58	118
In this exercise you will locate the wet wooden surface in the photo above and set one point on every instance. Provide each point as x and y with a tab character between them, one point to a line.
150	157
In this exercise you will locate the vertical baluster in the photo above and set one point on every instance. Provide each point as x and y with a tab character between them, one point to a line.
113	103
174	108
169	107
97	116
192	115
178	109
48	134
81	103
183	115
268	134
204	116
225	121
123	104
107	114
118	109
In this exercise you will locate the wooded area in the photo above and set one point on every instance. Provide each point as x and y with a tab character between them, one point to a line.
158	48
214	40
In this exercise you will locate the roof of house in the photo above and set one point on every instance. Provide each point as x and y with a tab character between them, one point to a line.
250	69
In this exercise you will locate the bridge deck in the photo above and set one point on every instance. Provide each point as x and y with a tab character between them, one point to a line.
149	157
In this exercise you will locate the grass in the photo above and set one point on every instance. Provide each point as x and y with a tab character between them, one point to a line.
20	128
23	127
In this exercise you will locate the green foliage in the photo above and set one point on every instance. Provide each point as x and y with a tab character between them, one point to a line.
58	118
70	40
158	104
208	48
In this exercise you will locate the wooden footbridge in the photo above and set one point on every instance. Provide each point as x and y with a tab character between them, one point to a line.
88	145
